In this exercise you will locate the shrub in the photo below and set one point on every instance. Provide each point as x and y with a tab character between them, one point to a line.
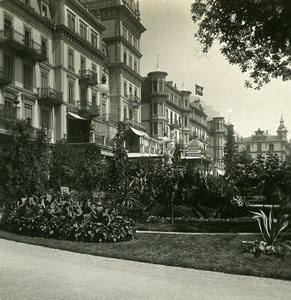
62	217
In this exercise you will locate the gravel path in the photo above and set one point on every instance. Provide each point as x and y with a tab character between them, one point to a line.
33	272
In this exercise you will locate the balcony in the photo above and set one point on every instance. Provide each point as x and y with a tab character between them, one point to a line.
81	138
23	46
135	124
103	140
175	125
134	102
8	113
49	96
87	109
5	77
88	77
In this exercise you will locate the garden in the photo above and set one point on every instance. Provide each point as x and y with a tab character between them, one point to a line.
73	198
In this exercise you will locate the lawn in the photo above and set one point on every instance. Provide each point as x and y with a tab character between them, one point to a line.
221	252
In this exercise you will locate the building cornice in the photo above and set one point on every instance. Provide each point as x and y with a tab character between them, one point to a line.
30	16
127	71
114	40
84	13
72	37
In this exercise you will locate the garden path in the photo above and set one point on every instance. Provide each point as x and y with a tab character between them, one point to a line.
34	272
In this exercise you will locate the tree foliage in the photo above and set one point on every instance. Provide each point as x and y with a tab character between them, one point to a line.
25	169
230	152
253	34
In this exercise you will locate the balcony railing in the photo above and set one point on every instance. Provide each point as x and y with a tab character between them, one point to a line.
89	109
81	138
135	124
134	101
50	95
103	140
175	125
24	46
88	77
8	113
5	77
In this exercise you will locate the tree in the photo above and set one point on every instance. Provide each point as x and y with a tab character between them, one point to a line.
26	167
230	152
253	34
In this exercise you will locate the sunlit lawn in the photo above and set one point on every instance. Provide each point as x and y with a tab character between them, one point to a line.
221	252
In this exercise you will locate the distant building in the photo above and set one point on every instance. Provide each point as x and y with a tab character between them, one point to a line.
263	143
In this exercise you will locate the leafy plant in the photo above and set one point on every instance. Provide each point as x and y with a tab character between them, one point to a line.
272	232
271	229
63	217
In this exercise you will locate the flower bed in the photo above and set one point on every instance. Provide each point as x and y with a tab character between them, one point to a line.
189	224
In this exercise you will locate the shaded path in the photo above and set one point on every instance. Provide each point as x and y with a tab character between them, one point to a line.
33	272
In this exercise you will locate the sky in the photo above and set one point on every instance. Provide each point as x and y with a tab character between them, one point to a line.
170	36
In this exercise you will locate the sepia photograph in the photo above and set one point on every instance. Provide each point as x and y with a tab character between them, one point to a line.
145	149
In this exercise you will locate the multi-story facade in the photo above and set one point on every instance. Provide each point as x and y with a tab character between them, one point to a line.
263	143
168	111
54	62
122	34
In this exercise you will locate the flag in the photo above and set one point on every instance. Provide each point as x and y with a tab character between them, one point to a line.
198	90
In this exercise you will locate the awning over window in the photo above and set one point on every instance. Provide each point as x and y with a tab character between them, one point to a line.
139	132
75	116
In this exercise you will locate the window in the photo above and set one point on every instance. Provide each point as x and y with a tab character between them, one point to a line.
44	10
155	128
44	47
94	39
130	37
83	94
155	108
259	147
124	33
186	103
161	86
71	21
44	80
271	147
7	27
83	30
94	99
135	65
27	38
8	67
28	111
130	61
45	119
125	57
71	92
27	76
125	88
130	90
135	42
83	63
125	113
161	110
71	60
135	91
155	86
248	148
186	121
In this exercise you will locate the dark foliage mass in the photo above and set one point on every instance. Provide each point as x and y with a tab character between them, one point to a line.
253	34
63	217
